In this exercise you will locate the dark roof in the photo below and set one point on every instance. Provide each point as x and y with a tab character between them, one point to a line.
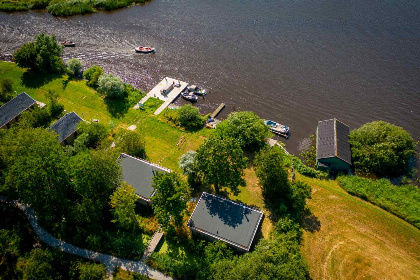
15	107
66	126
225	220
333	140
139	174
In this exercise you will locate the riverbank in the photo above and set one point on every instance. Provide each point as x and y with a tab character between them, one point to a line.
67	7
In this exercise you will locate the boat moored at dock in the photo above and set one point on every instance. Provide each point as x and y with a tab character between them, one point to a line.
277	128
197	90
189	96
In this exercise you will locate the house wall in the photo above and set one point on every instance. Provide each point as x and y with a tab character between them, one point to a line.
335	164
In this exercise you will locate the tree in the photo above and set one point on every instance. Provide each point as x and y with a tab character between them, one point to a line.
43	55
131	142
56	109
37	171
111	86
96	133
91	271
381	148
39	265
92	75
75	66
169	201
95	175
123	203
6	89
246	127
189	116
272	176
221	162
187	164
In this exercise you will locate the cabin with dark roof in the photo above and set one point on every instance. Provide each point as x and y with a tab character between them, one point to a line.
218	218
10	111
139	174
332	146
66	127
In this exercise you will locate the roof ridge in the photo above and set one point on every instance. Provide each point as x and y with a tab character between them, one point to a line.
148	162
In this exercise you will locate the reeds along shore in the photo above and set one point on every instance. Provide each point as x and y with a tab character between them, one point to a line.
67	7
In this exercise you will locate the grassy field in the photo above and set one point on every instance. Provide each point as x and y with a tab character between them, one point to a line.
348	238
161	138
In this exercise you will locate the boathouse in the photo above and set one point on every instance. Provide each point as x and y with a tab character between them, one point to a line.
66	127
332	146
10	111
139	174
218	218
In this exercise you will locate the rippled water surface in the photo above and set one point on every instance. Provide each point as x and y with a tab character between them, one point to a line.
295	62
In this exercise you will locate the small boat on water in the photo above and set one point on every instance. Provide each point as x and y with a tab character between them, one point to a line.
145	50
189	96
68	43
279	129
197	90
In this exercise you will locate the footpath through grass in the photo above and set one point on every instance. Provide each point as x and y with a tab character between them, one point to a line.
348	238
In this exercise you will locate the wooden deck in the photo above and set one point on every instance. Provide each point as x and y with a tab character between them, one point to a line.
217	111
167	90
152	244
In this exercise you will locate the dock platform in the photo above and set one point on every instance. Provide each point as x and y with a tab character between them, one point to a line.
173	88
217	111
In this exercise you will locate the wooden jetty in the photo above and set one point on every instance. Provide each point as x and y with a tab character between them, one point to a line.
217	111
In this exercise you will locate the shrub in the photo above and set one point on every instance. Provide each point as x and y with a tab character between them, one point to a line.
189	116
69	8
308	171
402	201
130	142
92	75
381	148
111	86
96	133
75	66
6	89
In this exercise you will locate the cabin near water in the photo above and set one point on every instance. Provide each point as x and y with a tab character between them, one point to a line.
66	128
332	146
218	218
139	174
11	111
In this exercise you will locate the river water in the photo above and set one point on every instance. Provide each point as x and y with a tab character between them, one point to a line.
295	62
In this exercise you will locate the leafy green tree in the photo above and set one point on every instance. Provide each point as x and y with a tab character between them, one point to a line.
131	143
92	75
39	265
37	171
96	133
26	56
221	162
246	127
111	86
6	89
299	192
91	271
381	148
56	109
170	200
43	55
187	164
95	175
272	176
75	66
123	203
189	116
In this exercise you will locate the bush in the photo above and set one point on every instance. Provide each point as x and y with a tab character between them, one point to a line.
189	116
88	271
56	109
171	116
381	148
69	8
96	133
246	127
111	86
39	4
131	143
6	89
75	66
92	75
402	201
308	171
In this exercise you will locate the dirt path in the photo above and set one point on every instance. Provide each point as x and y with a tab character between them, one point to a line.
109	261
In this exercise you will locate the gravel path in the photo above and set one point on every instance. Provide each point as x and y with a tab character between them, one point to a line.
109	261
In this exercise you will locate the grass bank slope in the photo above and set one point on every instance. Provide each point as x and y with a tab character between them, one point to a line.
348	238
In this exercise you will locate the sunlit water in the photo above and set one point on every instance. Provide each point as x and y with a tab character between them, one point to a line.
295	62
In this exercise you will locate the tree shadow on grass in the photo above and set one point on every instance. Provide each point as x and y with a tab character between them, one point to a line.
33	79
310	222
117	107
